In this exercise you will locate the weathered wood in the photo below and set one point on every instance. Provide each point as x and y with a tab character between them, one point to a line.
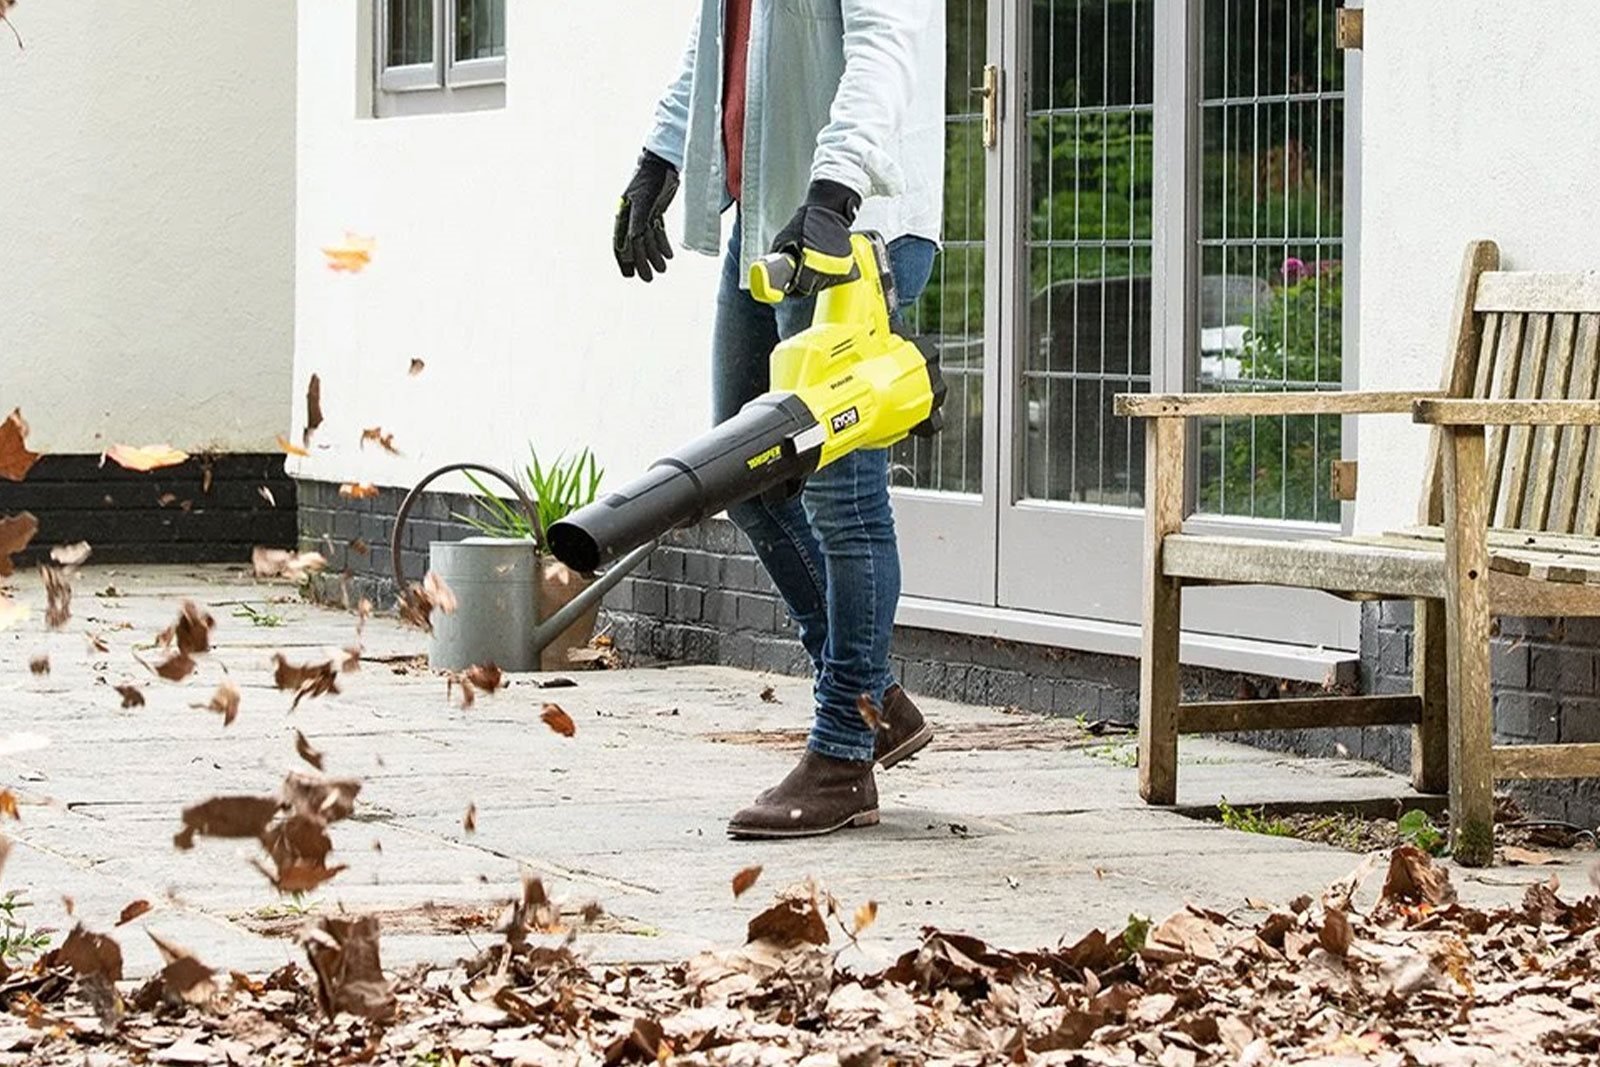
1330	565
1159	684
1521	540
1508	365
1508	412
1511	595
1543	292
1504	561
1519	440
1547	440
1299	713
1547	761
1466	597
1461	365
1430	738
1343	477
1571	464
1167	405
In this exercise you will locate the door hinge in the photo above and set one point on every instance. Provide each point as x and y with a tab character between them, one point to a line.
1342	480
1348	27
990	91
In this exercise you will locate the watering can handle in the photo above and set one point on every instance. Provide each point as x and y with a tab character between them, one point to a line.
397	539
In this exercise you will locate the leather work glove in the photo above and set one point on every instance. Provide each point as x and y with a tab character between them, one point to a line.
640	237
818	237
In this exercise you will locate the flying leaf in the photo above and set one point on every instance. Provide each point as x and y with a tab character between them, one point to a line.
469	821
184	978
557	719
176	667
232	816
73	555
39	663
289	448
416	367
795	919
299	847
865	916
57	593
193	628
133	911
8	804
266	494
486	676
11	612
145	457
281	563
313	407
15	533
15	459
131	697
419	601
307	753
769	695
344	956
309	680
360	547
355	491
383	440
1526	857
224	701
351	254
870	714
744	880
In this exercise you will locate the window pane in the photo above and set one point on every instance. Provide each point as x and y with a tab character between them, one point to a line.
1271	190
480	29
948	318
1091	143
410	32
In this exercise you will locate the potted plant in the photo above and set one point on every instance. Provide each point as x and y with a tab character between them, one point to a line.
556	490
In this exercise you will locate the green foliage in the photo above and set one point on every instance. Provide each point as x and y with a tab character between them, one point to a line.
258	616
557	491
18	943
1136	934
1278	467
1253	822
1123	755
1416	828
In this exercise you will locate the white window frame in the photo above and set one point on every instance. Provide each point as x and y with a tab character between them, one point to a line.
445	75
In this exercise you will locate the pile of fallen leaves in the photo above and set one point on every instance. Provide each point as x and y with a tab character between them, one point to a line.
1411	978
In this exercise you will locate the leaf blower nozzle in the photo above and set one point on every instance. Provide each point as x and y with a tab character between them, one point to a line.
845	383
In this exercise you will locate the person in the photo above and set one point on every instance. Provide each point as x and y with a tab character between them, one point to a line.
808	117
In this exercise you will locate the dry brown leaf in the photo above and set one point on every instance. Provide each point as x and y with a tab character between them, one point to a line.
39	663
57	594
299	847
344	956
420	601
485	676
131	697
225	701
281	563
97	643
266	494
8	804
329	799
744	880
307	753
145	457
354	491
73	555
469	821
361	548
308	680
350	254
1335	934
233	816
15	459
15	533
556	717
1525	857
795	919
289	448
865	916
416	367
132	911
90	955
313	408
176	667
1415	879
383	440
469	695
183	978
869	711
193	628
769	695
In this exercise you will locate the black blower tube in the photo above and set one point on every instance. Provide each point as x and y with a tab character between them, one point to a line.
744	457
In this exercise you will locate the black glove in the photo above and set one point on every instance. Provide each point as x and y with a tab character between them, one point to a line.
818	237
640	237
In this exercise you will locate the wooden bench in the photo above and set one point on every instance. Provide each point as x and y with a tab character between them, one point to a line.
1508	524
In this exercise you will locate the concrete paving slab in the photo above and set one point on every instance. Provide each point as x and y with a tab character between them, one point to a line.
1015	827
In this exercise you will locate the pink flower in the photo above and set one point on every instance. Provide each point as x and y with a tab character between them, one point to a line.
1293	270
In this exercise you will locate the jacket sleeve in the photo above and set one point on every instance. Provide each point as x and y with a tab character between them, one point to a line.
672	113
881	42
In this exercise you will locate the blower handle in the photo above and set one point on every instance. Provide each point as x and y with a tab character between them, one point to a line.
772	277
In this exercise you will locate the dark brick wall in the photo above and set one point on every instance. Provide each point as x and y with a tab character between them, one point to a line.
208	509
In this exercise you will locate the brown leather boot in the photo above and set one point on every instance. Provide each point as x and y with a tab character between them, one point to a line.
819	796
904	732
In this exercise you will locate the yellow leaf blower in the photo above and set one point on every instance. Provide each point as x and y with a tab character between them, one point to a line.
846	382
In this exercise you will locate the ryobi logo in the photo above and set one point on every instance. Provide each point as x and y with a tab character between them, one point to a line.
845	419
761	459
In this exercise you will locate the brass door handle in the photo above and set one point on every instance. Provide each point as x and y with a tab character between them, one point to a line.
990	91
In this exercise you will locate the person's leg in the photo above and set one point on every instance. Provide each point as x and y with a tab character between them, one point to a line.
746	332
848	502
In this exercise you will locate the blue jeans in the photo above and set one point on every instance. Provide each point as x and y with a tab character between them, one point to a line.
831	550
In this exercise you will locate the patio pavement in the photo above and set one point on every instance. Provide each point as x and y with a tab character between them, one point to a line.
1014	827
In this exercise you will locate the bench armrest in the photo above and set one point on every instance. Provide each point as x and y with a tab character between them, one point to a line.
1188	405
1440	412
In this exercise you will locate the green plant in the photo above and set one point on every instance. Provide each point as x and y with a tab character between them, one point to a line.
557	491
258	616
1252	822
1416	828
1123	755
17	942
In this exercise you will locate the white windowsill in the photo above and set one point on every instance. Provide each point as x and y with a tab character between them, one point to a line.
1323	666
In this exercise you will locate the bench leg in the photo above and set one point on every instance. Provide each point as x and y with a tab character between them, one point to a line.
1159	682
1430	748
1471	726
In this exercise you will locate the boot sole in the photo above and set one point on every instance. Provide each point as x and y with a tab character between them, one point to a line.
907	748
859	819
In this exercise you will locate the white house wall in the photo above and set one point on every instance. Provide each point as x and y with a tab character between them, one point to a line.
1480	118
146	222
493	261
